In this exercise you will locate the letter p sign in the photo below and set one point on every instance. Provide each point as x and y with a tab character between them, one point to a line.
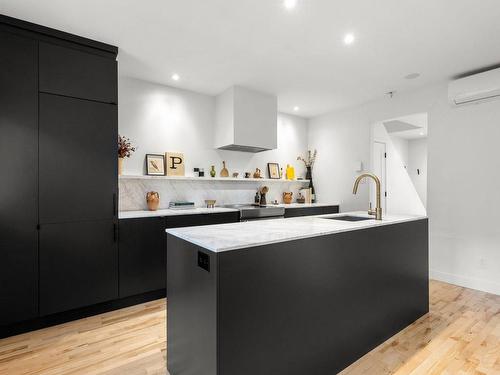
175	163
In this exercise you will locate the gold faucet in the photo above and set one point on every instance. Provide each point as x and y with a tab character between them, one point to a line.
378	209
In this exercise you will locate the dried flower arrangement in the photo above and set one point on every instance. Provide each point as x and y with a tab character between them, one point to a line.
125	148
311	158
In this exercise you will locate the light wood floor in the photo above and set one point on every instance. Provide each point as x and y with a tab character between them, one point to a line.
460	335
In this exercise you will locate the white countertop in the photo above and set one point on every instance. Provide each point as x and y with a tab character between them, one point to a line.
203	210
225	237
170	212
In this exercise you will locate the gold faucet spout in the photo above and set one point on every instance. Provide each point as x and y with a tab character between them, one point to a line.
378	209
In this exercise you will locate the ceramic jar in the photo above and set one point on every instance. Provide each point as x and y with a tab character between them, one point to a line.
287	197
153	200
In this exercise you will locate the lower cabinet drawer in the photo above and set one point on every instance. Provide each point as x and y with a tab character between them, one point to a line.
78	265
311	211
202	219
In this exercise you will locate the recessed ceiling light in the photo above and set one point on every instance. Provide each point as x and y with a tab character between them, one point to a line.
296	108
412	76
349	38
175	77
421	133
290	4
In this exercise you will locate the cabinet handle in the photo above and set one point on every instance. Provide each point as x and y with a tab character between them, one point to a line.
115	232
114	204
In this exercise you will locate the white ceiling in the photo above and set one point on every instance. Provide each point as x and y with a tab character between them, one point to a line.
410	127
298	55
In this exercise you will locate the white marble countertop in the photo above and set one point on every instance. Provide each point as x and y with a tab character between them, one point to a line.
203	210
225	237
170	212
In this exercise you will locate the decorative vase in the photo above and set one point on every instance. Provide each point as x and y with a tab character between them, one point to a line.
290	172
120	166
212	171
224	172
311	186
153	200
287	197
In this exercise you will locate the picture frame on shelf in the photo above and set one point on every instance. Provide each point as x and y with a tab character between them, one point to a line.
273	169
155	165
174	163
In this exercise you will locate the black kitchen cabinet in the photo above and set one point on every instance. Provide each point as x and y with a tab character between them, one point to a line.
143	248
78	265
78	162
58	173
18	176
202	219
143	255
77	73
311	211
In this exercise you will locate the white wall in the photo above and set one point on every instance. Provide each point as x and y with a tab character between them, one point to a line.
417	159
401	148
402	197
160	118
463	194
463	184
341	139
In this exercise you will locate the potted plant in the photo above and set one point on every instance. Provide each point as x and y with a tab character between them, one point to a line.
125	150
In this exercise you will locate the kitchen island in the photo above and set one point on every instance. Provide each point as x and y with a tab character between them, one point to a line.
306	295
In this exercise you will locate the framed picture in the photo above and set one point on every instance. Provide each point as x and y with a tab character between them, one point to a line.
155	165
174	163
274	170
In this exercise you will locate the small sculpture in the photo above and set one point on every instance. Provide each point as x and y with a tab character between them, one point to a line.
235	174
256	174
153	200
301	198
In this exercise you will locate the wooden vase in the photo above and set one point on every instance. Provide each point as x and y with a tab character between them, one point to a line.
120	166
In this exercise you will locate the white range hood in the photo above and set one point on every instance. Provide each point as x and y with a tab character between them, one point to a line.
246	120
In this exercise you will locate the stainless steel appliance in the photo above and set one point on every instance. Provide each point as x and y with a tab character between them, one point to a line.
256	212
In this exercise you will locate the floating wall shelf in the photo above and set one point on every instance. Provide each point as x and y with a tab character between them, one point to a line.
208	179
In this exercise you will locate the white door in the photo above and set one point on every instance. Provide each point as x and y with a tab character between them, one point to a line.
379	168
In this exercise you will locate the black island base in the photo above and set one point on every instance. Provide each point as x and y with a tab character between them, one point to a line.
310	306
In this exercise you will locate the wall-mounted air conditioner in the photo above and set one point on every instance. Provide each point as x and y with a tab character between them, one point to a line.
475	89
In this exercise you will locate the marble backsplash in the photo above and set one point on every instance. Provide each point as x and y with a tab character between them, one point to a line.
133	192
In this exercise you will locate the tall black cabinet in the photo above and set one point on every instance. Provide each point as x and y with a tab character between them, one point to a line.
78	170
58	171
18	177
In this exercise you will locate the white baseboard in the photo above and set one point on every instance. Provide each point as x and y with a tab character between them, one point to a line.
467	282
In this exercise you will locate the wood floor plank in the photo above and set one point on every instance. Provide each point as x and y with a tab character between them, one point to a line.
460	335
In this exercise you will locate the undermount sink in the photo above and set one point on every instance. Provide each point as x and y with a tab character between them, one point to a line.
348	218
